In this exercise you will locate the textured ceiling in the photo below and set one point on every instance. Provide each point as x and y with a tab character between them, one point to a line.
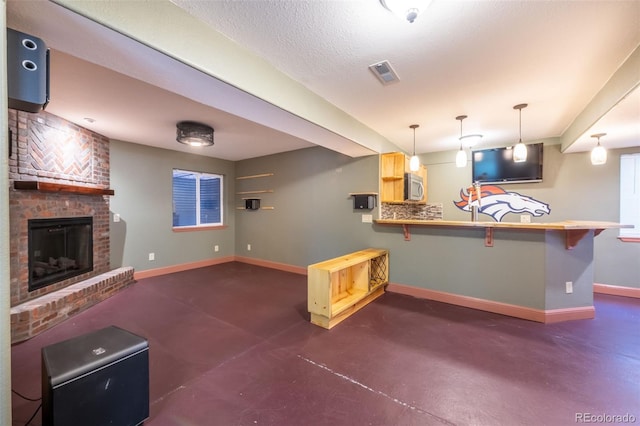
477	58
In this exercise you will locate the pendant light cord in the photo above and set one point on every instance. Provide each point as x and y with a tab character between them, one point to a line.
414	141
519	107
520	124
460	118
414	127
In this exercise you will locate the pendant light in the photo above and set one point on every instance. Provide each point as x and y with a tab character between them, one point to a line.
414	163
598	154
520	150
461	156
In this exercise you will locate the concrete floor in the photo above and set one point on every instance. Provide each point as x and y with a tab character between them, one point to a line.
231	345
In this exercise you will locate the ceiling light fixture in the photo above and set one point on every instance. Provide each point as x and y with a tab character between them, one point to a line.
194	134
406	9
520	150
598	153
414	163
470	140
461	156
465	140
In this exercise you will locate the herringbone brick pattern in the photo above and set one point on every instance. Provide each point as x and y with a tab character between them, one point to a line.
59	153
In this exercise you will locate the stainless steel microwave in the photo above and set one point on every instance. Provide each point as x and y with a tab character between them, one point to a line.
413	187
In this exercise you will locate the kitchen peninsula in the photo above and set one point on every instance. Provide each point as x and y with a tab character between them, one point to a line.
537	271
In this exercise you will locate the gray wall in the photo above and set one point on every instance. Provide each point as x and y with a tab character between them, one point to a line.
574	189
313	217
141	177
314	220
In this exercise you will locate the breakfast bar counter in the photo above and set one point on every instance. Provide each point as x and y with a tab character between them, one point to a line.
574	229
538	271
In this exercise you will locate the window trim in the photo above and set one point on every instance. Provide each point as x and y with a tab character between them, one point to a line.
191	228
629	235
629	239
199	226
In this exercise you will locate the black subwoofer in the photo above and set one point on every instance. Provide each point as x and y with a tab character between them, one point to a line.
27	72
100	378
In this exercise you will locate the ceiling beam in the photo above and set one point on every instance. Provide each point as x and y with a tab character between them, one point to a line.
201	47
622	83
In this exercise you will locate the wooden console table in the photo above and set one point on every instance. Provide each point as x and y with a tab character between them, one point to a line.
341	286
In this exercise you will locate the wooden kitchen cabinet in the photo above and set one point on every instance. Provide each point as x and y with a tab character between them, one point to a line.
339	287
393	166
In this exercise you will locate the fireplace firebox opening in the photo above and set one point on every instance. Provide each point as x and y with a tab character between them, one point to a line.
59	249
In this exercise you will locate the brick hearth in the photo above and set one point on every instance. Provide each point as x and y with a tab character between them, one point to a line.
48	149
30	318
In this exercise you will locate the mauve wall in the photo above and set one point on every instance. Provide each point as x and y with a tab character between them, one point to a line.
47	148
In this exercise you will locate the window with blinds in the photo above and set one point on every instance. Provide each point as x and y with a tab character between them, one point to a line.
630	194
197	199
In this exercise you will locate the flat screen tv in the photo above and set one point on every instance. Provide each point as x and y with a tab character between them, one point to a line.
496	165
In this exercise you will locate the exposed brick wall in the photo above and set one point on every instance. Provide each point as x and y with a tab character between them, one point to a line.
47	148
25	205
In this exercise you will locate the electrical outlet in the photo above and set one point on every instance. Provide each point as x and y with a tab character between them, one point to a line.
152	256
216	248
525	218
569	286
367	218
116	217
248	247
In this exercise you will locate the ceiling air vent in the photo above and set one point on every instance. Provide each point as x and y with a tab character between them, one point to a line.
384	72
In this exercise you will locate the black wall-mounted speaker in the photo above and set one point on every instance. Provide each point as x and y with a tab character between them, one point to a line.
100	378
252	203
363	202
27	72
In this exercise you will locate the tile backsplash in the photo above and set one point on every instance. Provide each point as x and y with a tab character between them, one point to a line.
411	211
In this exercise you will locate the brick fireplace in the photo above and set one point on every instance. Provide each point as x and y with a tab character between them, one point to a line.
57	170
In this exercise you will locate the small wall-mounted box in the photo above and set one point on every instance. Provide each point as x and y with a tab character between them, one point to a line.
252	203
364	201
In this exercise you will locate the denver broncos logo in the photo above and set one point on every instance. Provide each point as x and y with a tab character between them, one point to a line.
496	202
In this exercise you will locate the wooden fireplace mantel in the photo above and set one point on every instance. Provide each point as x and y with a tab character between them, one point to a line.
33	185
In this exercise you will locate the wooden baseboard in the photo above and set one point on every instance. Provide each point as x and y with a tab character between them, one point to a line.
538	315
569	314
615	290
273	265
138	275
210	262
